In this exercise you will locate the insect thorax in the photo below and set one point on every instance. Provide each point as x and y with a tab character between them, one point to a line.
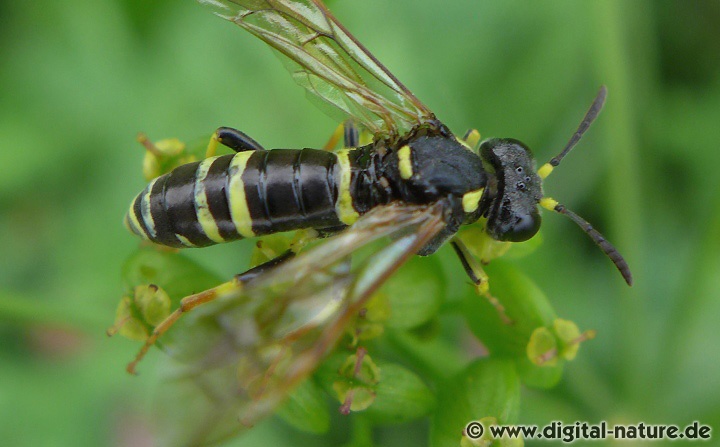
422	171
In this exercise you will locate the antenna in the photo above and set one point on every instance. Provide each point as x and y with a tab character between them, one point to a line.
553	205
590	116
607	248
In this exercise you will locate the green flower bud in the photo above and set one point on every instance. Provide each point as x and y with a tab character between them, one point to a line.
171	271
536	339
136	315
127	323
153	303
570	337
357	383
159	279
548	349
542	347
163	156
525	305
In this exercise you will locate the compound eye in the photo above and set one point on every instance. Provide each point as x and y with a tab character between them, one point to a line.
525	227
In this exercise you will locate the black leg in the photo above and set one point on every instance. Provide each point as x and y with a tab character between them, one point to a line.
478	276
237	140
264	267
351	135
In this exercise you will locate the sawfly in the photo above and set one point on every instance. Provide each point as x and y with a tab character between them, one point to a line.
414	185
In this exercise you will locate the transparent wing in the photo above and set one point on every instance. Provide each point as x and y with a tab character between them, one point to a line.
257	344
329	62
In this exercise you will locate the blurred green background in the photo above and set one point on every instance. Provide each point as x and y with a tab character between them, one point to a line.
80	78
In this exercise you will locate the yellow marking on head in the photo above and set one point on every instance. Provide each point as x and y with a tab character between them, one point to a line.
202	210
405	162
471	200
548	203
473	139
344	205
184	240
545	170
239	211
145	211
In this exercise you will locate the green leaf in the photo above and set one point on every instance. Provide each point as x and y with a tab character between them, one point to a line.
401	396
531	334
306	408
525	304
487	388
415	292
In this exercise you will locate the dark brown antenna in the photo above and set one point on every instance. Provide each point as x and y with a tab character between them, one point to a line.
590	116
595	235
553	205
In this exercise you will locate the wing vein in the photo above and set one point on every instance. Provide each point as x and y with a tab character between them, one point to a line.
329	62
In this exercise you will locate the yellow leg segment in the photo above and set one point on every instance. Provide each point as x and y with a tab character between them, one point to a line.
478	276
348	132
186	305
192	301
335	137
472	138
212	145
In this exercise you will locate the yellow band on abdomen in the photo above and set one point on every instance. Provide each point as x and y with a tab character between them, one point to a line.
239	211
204	217
145	211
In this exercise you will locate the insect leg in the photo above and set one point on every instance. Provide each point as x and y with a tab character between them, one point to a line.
264	267
335	137
478	276
192	301
348	131
351	134
472	138
232	138
186	305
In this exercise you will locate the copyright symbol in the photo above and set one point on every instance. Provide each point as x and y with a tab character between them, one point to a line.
474	430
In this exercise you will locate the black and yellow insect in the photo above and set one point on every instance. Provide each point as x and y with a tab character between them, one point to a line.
416	182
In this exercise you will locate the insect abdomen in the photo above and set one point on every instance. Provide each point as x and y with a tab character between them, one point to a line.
251	193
